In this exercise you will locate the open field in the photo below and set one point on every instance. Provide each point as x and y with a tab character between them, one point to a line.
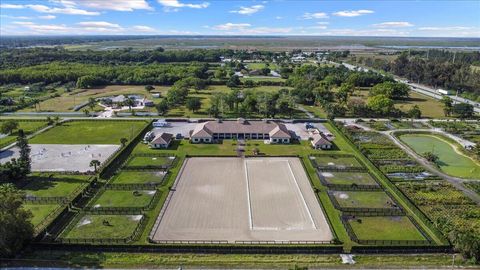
450	160
348	178
123	198
28	128
138	177
62	157
139	161
335	161
89	132
268	199
430	107
91	226
385	228
40	211
364	199
42	185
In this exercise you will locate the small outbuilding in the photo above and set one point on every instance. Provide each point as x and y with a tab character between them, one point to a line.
162	141
320	141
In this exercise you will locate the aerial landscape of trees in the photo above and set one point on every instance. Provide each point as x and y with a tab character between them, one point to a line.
438	68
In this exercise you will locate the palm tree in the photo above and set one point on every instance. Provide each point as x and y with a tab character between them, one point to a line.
94	163
129	102
86	112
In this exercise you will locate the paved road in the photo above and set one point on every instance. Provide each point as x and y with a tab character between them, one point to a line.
420	88
456	182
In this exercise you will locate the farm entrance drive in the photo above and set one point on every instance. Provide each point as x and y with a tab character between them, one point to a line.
242	199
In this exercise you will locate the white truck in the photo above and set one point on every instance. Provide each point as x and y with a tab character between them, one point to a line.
445	92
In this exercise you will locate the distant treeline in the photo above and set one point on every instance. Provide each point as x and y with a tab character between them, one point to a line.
442	69
88	75
33	56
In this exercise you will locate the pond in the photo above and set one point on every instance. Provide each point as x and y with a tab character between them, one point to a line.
450	160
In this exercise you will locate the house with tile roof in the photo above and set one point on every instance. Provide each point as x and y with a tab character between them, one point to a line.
212	131
161	141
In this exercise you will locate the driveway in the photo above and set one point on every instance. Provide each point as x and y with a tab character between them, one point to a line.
175	128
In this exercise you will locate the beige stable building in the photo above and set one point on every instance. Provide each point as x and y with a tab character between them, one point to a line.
212	131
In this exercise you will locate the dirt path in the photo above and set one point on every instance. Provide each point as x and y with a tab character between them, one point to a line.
456	182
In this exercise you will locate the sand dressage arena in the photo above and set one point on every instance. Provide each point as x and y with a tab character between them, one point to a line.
62	157
242	199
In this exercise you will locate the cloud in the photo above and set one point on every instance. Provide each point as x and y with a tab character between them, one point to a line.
279	17
44	28
175	5
12	6
323	23
317	15
99	24
449	31
47	17
16	17
231	26
144	29
247	29
393	24
248	10
447	28
70	10
352	13
117	5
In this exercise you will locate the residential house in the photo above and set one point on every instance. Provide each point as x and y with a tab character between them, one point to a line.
320	141
162	141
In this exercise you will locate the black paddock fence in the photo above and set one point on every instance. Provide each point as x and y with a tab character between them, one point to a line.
191	248
354	237
365	211
351	187
401	249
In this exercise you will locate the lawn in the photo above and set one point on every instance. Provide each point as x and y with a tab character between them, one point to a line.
139	161
335	161
90	132
138	177
123	198
40	211
363	199
385	228
92	227
431	108
349	178
27	126
450	160
58	186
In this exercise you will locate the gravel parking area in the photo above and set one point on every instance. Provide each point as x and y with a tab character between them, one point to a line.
301	132
242	199
62	157
175	128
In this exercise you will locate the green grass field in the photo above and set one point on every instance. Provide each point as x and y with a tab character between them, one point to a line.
90	132
331	160
40	211
138	177
91	226
42	185
385	228
28	127
450	161
123	198
363	199
348	178
150	161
